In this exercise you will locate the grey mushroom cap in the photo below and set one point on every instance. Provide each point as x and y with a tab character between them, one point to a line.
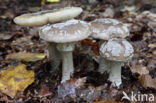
117	50
69	31
32	19
48	16
106	28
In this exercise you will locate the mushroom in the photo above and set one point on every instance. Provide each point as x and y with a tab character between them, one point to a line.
115	52
48	16
45	17
65	34
105	29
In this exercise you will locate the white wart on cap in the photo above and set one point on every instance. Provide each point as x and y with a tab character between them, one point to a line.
117	50
48	16
106	28
69	31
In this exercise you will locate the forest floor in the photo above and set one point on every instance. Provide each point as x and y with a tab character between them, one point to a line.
138	76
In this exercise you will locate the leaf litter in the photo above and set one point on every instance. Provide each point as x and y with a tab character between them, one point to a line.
45	87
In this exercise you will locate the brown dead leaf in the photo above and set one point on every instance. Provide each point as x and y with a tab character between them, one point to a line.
44	92
28	57
34	31
147	81
93	44
138	69
151	63
5	98
107	101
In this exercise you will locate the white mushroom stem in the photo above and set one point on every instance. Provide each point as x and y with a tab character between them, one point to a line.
68	68
104	65
54	55
67	59
115	73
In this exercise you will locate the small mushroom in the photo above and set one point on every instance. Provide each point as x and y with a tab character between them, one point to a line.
45	17
48	16
105	29
115	52
65	34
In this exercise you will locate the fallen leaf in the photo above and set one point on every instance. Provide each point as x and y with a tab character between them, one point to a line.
5	98
109	13
141	70
154	52
53	0
34	31
28	57
128	8
151	63
34	9
15	79
152	45
152	25
5	36
89	94
44	92
93	44
23	41
68	87
107	101
147	81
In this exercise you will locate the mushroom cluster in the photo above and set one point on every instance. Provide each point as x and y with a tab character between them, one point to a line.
60	37
106	29
45	17
60	30
114	49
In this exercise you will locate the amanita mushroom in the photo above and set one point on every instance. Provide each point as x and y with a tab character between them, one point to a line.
105	29
45	17
65	34
115	52
48	16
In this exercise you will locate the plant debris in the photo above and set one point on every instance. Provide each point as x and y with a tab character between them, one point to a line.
23	55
